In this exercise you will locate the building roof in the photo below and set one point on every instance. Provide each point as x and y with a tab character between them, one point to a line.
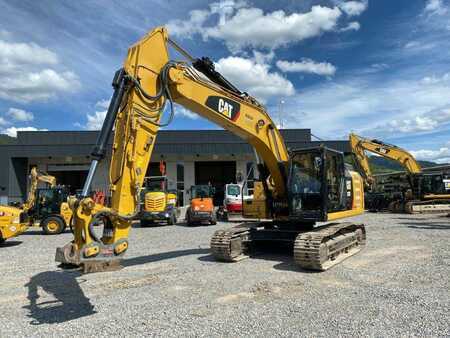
164	137
80	143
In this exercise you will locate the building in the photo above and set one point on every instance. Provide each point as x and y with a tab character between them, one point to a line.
190	157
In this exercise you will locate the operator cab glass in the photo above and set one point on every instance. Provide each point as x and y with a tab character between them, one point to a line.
155	184
202	191
233	190
316	183
48	200
431	184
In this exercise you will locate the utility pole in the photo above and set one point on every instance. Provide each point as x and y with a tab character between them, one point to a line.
280	113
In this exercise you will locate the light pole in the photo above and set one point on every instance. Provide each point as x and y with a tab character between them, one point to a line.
280	113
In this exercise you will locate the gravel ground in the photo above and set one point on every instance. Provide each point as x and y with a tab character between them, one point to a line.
170	286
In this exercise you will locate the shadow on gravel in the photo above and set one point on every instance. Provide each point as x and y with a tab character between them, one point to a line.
428	225
194	225
412	218
284	258
70	303
153	225
9	243
281	255
40	232
162	256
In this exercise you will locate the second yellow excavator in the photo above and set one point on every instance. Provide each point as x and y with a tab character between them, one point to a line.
300	187
428	192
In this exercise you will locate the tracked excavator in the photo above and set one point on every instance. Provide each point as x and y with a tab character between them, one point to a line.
301	187
428	193
14	221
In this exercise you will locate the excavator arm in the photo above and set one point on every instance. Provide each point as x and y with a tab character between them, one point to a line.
359	145
35	178
148	84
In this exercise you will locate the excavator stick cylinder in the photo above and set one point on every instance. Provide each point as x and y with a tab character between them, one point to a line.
99	151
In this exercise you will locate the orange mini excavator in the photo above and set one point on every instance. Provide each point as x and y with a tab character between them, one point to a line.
201	209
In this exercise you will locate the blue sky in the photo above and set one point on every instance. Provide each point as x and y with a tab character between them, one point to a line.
379	68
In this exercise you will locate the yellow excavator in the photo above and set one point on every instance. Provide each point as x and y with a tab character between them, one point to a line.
428	192
301	187
14	221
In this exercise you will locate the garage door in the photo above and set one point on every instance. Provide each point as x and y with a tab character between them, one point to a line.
218	173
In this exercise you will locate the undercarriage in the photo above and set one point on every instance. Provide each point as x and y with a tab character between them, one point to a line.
421	207
318	248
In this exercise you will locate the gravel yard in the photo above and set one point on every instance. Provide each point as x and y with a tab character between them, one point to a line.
170	286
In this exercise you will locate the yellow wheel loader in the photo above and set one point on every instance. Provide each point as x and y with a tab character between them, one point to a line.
158	203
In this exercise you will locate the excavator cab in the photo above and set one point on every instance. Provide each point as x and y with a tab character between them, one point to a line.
317	184
48	201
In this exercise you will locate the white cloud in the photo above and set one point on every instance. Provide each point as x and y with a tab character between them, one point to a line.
435	7
240	27
352	26
95	121
20	115
258	80
3	122
379	66
12	131
14	54
442	155
190	27
25	86
307	66
433	79
353	8
103	104
412	125
398	105
26	76
183	112
262	58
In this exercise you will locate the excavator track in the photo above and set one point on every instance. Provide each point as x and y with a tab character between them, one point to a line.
328	245
428	207
228	245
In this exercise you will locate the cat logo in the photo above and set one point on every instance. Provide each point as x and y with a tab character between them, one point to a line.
230	109
225	108
382	150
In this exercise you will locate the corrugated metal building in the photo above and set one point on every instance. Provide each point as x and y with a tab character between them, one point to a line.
190	156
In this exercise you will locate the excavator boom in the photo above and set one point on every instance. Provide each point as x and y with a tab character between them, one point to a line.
360	145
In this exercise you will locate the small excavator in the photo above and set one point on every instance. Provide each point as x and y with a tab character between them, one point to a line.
428	193
201	206
300	187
